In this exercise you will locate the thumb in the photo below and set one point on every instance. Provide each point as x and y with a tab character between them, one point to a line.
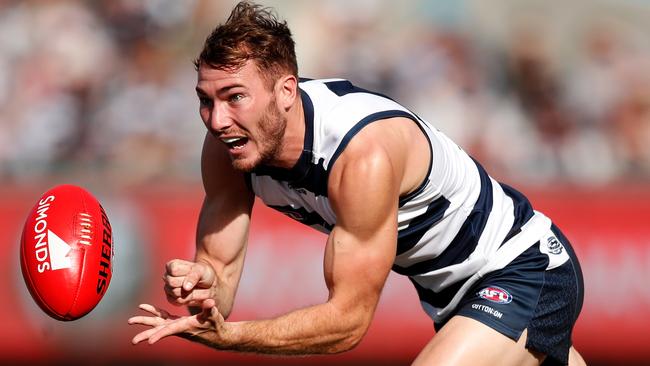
208	304
208	310
199	273
193	277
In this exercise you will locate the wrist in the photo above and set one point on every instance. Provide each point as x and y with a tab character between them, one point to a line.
229	335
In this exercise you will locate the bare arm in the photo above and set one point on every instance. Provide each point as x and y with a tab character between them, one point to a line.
221	237
358	257
364	189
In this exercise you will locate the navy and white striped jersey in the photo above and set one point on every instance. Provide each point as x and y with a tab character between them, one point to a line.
457	226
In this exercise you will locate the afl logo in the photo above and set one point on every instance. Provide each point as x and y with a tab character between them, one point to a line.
554	246
495	294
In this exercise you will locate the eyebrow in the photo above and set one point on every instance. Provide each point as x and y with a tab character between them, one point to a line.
220	91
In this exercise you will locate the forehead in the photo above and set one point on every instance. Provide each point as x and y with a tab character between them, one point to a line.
209	78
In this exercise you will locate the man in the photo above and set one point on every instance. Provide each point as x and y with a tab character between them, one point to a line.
499	280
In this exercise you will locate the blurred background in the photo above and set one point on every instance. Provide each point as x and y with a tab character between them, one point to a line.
551	96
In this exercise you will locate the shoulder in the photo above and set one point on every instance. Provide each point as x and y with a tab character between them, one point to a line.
339	111
374	158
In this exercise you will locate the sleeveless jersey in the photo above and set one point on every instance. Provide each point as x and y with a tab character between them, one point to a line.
457	226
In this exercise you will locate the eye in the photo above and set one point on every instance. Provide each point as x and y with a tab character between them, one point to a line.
236	97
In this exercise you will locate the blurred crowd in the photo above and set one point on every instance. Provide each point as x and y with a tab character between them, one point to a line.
104	89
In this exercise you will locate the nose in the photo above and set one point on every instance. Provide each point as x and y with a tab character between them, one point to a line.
220	118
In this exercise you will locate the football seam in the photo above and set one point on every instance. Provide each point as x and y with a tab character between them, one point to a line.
83	265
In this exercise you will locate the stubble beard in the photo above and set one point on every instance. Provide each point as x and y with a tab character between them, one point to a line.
272	127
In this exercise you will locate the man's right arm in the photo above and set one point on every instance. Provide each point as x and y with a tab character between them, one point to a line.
221	237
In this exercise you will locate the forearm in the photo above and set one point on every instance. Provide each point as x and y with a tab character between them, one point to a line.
319	329
226	264
223	290
224	297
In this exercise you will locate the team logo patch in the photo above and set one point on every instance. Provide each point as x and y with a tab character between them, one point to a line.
495	294
554	245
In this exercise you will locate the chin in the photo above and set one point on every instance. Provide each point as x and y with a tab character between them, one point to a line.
250	163
244	165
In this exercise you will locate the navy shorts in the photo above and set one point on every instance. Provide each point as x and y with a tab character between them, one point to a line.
524	295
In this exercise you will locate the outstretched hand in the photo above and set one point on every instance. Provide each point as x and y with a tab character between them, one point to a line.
202	327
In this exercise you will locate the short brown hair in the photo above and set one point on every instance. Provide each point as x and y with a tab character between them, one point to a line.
251	32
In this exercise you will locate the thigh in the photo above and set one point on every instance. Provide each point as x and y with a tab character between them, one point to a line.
465	341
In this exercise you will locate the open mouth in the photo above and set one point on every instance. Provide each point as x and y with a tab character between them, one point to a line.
235	142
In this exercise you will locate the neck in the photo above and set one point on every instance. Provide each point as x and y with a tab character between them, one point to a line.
294	136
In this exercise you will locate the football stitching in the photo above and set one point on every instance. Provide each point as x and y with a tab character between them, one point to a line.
86	230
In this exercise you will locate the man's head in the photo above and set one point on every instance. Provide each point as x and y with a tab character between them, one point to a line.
251	33
247	82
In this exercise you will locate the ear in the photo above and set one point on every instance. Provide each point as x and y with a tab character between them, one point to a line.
286	90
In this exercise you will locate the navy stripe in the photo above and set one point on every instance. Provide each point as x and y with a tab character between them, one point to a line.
360	125
411	235
523	210
304	164
404	199
305	174
576	267
437	299
315	180
465	242
343	87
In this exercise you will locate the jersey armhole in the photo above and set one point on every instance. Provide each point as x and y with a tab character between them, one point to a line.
425	181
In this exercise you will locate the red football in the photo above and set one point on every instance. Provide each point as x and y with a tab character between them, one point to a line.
66	252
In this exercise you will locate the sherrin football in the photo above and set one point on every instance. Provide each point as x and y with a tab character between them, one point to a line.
66	252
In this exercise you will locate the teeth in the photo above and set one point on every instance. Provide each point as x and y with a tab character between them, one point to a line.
231	140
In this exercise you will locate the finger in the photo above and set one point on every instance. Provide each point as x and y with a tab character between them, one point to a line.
178	267
146	320
173	281
177	301
202	275
173	328
173	292
144	335
162	313
208	311
195	296
208	303
172	299
194	276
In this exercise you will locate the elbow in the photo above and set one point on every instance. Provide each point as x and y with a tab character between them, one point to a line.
349	337
349	342
349	323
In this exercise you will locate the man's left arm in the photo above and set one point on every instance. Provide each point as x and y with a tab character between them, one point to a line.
363	190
